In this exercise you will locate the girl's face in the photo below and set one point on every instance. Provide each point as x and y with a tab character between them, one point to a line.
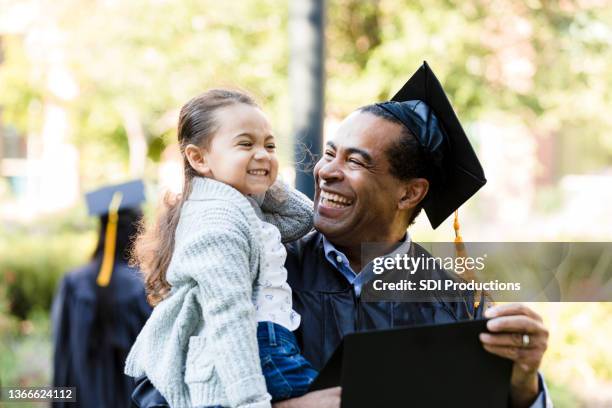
242	152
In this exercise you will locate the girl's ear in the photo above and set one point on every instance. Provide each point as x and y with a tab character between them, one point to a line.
414	192
197	159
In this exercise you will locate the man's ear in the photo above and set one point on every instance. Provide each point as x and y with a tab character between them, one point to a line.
197	159
414	192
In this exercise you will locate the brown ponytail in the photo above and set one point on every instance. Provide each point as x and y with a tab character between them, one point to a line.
154	245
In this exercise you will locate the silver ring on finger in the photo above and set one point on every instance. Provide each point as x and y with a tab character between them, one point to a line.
525	340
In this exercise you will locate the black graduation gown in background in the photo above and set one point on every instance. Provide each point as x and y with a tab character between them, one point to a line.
330	309
91	341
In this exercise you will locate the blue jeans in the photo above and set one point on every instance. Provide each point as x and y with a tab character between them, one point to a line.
288	374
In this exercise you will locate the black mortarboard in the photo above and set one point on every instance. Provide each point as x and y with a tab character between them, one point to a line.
422	106
110	200
99	201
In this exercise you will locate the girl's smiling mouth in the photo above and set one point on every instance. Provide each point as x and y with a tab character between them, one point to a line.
258	172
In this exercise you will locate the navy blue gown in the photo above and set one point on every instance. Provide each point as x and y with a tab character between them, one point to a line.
330	308
94	329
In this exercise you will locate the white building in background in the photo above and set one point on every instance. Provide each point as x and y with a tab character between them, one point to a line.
508	153
41	166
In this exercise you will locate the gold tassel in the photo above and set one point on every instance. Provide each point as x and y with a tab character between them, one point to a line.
106	270
462	253
459	246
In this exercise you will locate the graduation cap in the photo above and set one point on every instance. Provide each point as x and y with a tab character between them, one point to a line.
110	200
132	195
422	106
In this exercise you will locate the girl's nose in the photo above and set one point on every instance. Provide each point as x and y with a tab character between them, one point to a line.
261	154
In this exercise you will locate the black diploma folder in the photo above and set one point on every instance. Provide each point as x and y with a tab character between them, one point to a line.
441	365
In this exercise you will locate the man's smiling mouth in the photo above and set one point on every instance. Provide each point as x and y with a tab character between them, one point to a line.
334	200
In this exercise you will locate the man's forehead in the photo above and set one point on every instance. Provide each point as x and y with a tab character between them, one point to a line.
365	130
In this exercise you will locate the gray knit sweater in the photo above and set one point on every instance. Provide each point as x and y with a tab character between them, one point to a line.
199	347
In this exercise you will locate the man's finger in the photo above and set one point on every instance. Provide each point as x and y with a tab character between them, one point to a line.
512	353
508	340
511	309
515	324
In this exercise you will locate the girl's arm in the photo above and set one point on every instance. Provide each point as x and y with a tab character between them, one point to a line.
218	259
288	210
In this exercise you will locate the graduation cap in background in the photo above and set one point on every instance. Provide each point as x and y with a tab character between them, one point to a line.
422	106
109	201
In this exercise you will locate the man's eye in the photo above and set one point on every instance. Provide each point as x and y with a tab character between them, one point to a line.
357	162
329	153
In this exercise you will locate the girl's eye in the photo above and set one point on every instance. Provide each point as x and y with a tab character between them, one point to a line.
271	146
246	144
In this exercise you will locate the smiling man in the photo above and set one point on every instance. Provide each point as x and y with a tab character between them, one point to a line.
385	163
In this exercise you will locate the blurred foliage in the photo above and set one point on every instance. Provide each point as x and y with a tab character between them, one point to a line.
582	331
562	396
25	349
545	62
34	257
25	353
142	60
578	362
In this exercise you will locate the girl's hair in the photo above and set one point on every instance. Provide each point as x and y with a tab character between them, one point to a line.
155	243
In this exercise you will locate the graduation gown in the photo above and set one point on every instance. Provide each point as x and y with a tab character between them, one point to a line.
94	329
330	308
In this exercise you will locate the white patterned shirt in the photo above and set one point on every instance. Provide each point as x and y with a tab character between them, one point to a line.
273	298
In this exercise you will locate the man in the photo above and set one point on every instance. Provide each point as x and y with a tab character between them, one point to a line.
385	163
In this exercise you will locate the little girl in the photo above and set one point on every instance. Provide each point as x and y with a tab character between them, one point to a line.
213	266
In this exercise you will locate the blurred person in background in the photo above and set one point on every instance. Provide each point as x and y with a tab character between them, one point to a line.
100	308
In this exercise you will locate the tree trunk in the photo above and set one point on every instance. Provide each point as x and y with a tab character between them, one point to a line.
137	142
306	81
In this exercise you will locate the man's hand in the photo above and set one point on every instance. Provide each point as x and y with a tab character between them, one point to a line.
508	325
328	398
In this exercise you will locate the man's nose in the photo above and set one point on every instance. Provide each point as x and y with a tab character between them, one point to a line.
328	170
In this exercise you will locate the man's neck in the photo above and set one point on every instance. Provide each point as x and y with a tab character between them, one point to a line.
353	252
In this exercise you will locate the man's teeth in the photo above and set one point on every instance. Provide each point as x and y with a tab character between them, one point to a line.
334	200
332	204
258	172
